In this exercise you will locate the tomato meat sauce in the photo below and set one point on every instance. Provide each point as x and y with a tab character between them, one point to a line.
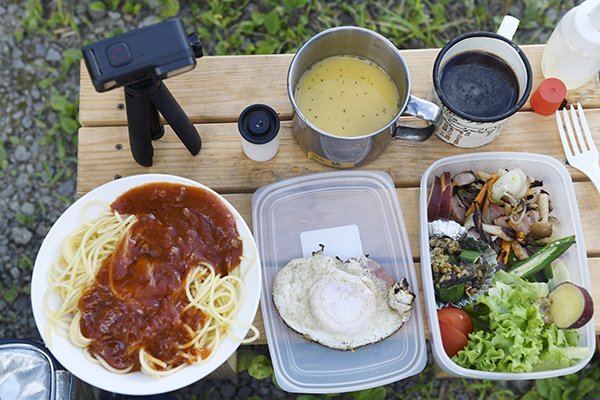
138	297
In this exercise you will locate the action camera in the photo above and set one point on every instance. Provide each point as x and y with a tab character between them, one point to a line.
155	53
139	60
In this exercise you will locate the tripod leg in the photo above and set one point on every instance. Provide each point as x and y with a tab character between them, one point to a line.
176	117
142	118
156	126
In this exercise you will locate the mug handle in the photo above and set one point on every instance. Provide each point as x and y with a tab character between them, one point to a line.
421	109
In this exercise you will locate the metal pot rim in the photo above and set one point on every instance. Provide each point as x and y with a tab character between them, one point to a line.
332	31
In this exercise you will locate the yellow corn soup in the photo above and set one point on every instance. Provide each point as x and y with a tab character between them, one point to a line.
347	96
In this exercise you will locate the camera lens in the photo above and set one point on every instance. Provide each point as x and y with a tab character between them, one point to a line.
118	54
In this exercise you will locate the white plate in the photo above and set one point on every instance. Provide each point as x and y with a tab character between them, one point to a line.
136	383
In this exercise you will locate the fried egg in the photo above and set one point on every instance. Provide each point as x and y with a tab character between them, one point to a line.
342	305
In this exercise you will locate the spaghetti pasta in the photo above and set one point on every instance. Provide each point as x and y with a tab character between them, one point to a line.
151	287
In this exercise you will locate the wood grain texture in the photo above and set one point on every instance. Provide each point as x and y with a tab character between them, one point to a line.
227	370
220	87
222	165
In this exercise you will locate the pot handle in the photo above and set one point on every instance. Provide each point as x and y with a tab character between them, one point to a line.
421	109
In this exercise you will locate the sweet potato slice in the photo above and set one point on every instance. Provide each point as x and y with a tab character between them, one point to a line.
571	306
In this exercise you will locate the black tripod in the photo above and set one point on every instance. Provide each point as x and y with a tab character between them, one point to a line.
144	100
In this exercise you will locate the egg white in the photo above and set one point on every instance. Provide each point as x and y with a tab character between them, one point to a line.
342	305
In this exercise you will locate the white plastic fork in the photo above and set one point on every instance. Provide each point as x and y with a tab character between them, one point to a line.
581	154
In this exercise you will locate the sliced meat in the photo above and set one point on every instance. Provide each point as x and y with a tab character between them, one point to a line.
464	178
491	212
457	210
376	269
502	221
531	217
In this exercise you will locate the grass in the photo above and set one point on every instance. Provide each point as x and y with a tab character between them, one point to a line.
269	26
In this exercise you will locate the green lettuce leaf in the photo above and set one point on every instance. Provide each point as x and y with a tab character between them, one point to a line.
511	335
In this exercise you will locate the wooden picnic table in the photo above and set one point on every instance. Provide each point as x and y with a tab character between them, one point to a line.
220	87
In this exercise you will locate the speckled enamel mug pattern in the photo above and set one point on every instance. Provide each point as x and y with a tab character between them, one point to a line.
459	128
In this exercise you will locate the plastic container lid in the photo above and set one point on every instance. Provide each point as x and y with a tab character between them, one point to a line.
557	182
287	212
548	96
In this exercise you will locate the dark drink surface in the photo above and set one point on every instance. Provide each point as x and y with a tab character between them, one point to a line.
479	84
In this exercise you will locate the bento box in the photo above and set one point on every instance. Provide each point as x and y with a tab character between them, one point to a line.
557	183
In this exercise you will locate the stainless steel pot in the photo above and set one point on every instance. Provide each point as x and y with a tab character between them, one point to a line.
348	152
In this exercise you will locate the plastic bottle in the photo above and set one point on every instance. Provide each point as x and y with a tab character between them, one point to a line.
572	53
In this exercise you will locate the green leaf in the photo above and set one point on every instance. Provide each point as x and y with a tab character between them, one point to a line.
170	8
222	47
247	27
294	4
244	359
2	151
10	295
70	56
25	262
97	6
587	386
257	17
59	103
261	367
73	54
46	83
531	395
19	33
377	393
128	8
16	140
272	22
266	46
68	124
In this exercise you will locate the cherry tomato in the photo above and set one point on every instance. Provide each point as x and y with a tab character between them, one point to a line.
452	339
456	318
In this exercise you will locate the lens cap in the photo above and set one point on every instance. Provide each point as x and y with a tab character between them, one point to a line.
258	124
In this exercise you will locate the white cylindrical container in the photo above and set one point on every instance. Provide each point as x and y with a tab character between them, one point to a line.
572	53
259	127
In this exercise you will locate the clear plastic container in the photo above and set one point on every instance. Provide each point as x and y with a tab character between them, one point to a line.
282	212
557	182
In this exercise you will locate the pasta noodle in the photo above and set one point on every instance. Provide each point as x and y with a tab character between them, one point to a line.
211	299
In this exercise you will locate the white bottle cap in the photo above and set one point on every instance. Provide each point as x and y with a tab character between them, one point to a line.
586	34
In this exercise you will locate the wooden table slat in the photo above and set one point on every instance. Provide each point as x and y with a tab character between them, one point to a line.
220	87
231	171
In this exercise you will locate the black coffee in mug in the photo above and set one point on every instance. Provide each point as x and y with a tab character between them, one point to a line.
479	84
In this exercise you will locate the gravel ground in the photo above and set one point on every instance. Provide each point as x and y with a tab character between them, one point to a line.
38	182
